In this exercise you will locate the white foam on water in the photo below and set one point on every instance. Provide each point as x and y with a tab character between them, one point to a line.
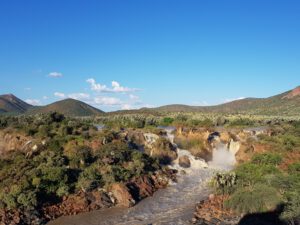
174	205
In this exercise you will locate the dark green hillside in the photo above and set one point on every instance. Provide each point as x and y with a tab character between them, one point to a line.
11	104
68	107
287	104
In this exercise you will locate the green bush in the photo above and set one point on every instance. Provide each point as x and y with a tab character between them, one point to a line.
253	199
80	157
241	122
90	179
267	159
291	212
249	173
27	199
294	168
167	121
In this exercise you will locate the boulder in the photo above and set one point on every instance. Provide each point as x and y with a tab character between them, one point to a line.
122	195
184	161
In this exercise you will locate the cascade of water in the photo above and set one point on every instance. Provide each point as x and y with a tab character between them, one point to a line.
173	205
222	158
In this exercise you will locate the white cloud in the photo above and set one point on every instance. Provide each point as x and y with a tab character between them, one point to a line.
134	97
27	89
126	107
110	101
95	86
59	95
33	101
115	87
55	74
79	96
232	99
45	97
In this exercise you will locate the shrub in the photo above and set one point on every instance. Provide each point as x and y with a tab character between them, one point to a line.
259	198
249	173
80	156
89	179
27	199
241	122
267	159
291	211
167	121
224	182
294	168
290	142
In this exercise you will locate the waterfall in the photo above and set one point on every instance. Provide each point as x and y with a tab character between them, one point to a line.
173	205
222	158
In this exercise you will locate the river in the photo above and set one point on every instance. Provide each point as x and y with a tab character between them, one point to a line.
174	205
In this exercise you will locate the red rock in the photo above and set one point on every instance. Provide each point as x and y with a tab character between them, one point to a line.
122	195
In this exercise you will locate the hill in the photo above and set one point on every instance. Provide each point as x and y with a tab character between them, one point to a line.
68	107
285	104
11	104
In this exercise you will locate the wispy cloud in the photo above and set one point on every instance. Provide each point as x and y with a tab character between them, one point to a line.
115	87
55	74
33	101
108	101
27	89
59	95
79	96
134	97
232	99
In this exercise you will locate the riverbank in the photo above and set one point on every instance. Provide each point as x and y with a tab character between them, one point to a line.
172	205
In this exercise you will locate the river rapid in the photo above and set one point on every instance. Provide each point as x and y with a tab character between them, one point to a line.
173	205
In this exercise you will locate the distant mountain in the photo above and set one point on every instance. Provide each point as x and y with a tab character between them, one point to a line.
11	104
68	107
287	104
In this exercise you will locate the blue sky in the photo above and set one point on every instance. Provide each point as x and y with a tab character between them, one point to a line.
155	52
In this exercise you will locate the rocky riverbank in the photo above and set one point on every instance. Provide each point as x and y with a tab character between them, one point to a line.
119	194
211	212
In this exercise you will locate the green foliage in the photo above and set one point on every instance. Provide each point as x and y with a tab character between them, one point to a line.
80	157
27	199
291	211
258	198
90	179
294	168
241	122
167	121
224	182
123	163
261	187
267	159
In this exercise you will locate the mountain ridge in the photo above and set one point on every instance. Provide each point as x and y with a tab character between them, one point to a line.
9	103
286	104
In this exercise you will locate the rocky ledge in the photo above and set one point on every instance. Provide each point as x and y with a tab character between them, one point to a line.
211	212
118	194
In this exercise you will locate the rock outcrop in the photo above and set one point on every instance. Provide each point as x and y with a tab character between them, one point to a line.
122	194
211	212
10	141
184	161
78	203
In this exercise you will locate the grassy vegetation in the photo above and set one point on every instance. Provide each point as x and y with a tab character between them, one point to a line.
189	119
59	167
264	183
